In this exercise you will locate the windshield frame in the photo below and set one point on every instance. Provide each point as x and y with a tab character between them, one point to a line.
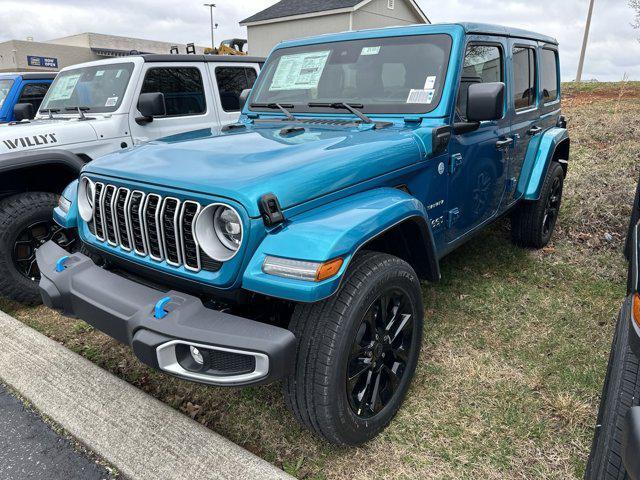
400	108
44	108
11	82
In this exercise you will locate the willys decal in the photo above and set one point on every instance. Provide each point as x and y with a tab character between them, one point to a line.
31	141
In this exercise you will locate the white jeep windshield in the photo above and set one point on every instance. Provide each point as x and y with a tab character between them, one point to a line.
5	86
384	75
97	89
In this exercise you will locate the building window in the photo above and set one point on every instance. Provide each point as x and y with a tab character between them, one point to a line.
33	93
391	4
549	73
182	89
231	82
524	76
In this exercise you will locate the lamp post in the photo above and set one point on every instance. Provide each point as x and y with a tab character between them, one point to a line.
211	7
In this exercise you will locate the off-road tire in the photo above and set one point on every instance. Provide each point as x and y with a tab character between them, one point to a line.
315	391
620	392
16	213
527	220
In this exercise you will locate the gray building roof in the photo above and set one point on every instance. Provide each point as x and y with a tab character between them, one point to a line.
290	8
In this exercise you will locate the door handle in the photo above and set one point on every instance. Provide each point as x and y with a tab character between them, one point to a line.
534	130
503	144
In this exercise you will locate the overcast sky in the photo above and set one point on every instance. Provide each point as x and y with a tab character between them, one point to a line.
613	46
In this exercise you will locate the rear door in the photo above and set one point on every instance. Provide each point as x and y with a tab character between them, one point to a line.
478	164
524	104
229	80
190	102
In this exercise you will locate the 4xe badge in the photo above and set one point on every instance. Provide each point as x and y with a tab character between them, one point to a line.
31	141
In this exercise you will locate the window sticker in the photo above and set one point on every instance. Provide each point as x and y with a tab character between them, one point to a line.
111	101
64	87
99	73
300	71
370	51
430	82
424	96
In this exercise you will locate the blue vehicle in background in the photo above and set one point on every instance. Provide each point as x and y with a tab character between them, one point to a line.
291	245
20	89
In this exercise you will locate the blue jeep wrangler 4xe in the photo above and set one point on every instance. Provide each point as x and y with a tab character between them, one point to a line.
291	245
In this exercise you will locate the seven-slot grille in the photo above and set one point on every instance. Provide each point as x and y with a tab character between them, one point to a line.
150	225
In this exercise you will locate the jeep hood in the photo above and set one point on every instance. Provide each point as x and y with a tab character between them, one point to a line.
45	133
259	159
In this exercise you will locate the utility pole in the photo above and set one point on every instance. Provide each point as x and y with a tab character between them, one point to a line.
584	42
211	7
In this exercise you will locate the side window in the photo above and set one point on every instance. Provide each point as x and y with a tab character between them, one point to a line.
33	93
182	88
482	64
524	77
549	75
231	82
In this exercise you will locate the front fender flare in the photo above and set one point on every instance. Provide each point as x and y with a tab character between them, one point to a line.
536	163
18	160
338	229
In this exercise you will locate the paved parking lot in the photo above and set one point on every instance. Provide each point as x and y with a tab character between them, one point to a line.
31	449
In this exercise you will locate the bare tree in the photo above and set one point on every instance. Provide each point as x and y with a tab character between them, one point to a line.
635	4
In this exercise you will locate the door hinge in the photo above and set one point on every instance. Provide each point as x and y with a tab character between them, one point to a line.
453	217
511	184
454	162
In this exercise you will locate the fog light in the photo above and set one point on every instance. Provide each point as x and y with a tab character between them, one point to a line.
196	355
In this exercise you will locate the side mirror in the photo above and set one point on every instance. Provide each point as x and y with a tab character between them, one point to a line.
485	101
151	105
244	95
23	111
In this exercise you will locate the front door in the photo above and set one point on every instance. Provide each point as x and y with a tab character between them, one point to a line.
190	106
479	159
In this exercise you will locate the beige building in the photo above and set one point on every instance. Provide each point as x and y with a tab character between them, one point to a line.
50	56
289	19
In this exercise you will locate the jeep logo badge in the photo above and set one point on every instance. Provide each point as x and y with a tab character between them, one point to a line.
31	141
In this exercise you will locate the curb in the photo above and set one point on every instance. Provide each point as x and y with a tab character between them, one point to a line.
136	433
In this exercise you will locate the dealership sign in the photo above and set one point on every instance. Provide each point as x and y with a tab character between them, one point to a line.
48	62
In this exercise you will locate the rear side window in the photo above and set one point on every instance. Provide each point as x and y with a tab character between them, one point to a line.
524	77
33	93
231	82
549	75
182	88
482	64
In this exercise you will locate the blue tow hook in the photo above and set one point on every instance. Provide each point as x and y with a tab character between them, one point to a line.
159	311
60	263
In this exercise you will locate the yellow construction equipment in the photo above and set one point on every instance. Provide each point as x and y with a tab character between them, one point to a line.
233	46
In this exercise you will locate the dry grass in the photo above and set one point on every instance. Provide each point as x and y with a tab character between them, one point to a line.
515	349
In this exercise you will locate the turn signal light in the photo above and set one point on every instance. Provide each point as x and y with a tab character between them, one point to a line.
329	269
636	308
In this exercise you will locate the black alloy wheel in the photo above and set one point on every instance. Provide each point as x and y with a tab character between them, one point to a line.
379	353
553	207
31	238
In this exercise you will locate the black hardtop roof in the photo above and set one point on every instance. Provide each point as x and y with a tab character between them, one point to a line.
169	57
38	75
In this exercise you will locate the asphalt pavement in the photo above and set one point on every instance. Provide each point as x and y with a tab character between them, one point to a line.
31	449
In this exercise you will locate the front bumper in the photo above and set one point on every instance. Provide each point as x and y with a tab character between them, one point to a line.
238	351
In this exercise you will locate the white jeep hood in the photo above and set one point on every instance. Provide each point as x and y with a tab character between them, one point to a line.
45	133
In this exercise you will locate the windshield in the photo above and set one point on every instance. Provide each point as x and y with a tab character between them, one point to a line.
5	86
383	75
99	88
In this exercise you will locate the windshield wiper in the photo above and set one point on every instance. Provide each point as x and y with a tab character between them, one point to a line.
273	106
50	111
344	106
80	111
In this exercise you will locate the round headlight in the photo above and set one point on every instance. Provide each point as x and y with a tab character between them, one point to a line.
219	231
86	192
